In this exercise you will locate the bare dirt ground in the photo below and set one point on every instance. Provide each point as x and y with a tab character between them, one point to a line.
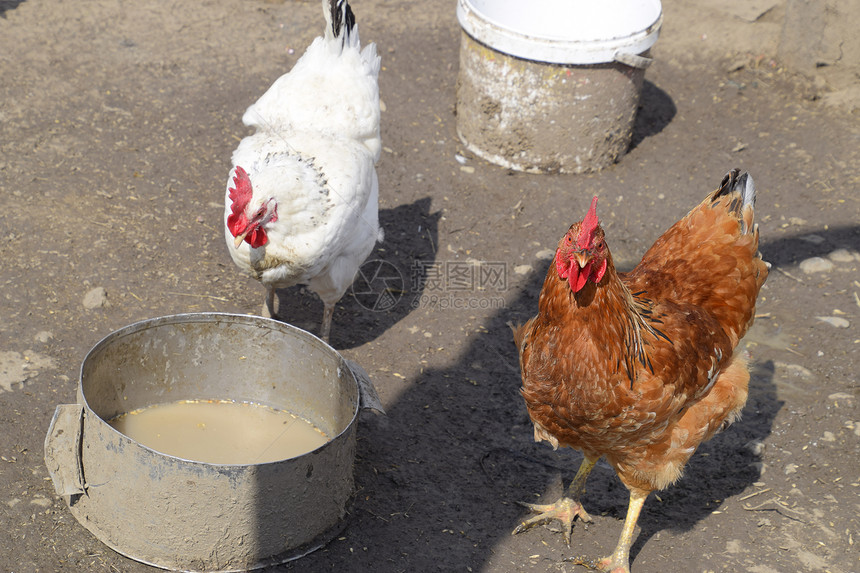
117	121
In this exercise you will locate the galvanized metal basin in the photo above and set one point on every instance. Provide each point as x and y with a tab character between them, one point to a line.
187	515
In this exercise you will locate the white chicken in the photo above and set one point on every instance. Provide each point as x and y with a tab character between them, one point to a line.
302	199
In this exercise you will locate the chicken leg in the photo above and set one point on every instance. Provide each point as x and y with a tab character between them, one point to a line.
567	508
269	311
328	311
619	561
269	306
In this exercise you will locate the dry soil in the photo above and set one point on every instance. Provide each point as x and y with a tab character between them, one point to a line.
117	124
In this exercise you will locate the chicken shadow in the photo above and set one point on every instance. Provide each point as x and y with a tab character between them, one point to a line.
386	284
721	468
447	464
792	249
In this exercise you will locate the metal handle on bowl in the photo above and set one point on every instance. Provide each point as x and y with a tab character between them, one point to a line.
633	60
368	399
63	449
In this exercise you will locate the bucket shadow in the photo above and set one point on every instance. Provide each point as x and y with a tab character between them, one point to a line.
656	111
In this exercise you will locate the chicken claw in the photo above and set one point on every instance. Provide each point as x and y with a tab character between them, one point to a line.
619	561
605	564
565	510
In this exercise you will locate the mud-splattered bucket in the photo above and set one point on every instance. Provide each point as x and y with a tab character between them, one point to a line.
551	86
181	514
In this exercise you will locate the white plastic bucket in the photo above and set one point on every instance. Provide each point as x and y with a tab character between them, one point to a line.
552	85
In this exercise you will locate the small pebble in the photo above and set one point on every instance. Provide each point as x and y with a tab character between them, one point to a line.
545	255
790	469
467	169
814	239
842	256
796	369
95	298
755	447
522	269
816	265
828	437
44	336
41	501
836	321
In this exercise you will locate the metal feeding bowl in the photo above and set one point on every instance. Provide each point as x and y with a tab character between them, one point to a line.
188	515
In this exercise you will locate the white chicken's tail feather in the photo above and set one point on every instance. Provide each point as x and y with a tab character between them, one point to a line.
340	23
369	55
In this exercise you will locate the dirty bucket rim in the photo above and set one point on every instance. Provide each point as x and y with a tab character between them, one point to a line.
213	317
507	38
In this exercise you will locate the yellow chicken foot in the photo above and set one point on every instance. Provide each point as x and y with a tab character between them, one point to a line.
619	561
566	509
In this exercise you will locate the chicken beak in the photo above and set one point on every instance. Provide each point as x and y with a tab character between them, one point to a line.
581	258
239	238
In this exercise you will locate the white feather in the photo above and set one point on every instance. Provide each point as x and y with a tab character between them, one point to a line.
314	151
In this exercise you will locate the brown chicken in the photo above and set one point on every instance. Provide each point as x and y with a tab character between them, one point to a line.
640	367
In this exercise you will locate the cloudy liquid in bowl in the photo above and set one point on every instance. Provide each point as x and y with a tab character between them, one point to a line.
220	431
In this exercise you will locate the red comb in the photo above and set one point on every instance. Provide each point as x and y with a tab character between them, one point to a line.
589	226
241	194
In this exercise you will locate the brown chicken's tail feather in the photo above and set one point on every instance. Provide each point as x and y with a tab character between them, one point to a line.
742	206
744	209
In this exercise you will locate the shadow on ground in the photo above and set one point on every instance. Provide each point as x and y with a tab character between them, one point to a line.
656	111
417	468
385	288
